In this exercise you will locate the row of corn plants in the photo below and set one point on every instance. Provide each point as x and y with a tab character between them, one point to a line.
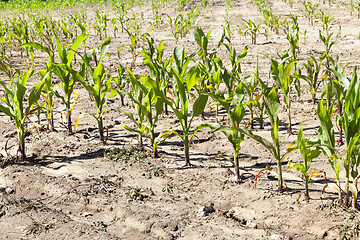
186	84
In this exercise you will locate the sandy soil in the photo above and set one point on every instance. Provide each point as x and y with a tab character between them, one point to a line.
71	189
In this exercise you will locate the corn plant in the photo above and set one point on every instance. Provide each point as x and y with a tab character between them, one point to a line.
281	73
97	82
252	29
16	105
48	93
181	4
159	67
313	68
208	62
254	97
271	20
148	106
133	47
184	84
292	35
181	25
61	70
234	106
121	11
326	137
137	97
327	22
335	88
121	81
309	149
272	108
310	10
351	125
115	26
328	41
100	24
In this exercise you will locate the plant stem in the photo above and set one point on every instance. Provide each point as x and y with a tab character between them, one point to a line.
339	191
101	129
236	165
155	150
280	176
52	128
186	150
69	127
289	119
21	137
140	141
346	198
251	117
307	197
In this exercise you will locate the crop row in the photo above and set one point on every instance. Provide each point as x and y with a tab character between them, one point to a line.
188	83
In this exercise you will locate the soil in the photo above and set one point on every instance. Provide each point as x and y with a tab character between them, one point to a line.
71	188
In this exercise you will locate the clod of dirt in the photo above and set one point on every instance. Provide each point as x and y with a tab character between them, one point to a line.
205	210
242	215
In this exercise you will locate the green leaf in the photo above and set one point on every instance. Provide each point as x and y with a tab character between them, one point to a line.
149	83
104	47
192	77
200	104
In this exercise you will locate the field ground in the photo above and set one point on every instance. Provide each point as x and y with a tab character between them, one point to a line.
70	189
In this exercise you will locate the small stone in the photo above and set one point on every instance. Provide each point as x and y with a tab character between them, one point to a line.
9	190
251	224
184	198
86	214
205	210
275	237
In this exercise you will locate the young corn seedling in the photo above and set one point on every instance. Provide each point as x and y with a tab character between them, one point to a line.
328	41
61	70
272	107
309	149
252	29
48	93
281	73
335	88
184	84
133	47
208	61
121	81
97	82
312	78
326	137
148	106
159	67
310	10
137	97
350	121
16	105
235	112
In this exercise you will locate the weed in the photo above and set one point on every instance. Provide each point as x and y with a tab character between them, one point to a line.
136	194
128	154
